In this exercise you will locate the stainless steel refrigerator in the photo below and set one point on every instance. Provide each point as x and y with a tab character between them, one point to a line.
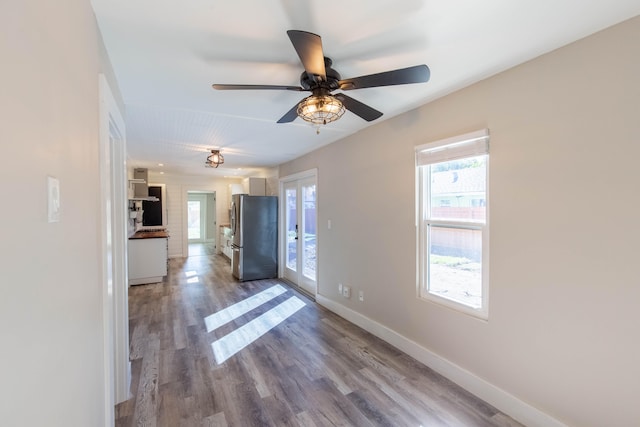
254	226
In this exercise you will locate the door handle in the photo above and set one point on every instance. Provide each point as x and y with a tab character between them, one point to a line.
296	231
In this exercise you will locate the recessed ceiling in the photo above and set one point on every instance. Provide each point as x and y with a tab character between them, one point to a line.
167	54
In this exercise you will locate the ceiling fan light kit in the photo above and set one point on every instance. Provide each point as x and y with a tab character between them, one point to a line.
215	159
320	79
320	109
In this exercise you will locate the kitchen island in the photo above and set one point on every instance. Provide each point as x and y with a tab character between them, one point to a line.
147	256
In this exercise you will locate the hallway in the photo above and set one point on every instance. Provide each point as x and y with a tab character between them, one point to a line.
209	351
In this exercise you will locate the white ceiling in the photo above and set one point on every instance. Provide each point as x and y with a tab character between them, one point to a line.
167	53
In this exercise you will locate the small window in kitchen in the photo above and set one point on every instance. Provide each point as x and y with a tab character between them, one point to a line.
453	226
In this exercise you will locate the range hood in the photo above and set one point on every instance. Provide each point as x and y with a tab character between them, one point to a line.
140	183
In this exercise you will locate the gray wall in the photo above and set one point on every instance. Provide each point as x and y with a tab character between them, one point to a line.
562	333
52	366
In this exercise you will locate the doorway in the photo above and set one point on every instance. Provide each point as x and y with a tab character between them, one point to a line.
299	230
201	223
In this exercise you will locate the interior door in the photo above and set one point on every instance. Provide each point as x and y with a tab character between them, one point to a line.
300	236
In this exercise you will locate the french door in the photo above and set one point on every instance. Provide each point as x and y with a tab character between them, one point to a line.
299	233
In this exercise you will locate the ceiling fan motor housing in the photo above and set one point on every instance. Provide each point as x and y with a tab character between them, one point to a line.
312	81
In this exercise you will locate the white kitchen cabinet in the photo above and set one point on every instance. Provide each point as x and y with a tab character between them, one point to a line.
147	260
225	240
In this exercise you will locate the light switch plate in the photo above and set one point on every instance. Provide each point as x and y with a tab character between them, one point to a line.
53	199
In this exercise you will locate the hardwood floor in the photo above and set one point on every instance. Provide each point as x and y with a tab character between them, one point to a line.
202	249
299	364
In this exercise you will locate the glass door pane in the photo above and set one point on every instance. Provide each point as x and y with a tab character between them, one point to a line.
291	218
193	219
309	230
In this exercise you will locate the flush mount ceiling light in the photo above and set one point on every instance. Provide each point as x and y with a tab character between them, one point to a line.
215	159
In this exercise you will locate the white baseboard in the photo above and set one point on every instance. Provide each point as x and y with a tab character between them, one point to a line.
502	400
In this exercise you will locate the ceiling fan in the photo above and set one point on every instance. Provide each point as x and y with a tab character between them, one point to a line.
323	107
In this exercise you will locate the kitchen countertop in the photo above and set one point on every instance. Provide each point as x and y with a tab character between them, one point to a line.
149	235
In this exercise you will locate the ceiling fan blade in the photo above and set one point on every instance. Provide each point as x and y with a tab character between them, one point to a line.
358	108
256	87
290	116
309	49
403	76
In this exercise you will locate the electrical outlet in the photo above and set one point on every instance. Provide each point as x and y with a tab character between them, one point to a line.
361	296
340	288
346	291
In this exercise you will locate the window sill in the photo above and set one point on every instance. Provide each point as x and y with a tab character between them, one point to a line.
478	313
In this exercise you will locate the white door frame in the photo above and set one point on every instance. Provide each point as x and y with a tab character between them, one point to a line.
311	174
185	190
113	226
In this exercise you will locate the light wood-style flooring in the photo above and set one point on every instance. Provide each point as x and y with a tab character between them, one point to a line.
209	351
202	249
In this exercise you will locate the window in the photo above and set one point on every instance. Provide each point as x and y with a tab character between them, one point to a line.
453	227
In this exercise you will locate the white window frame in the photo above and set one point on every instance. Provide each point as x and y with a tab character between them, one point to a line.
455	148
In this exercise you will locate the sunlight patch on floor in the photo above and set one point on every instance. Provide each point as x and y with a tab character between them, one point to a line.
235	341
234	311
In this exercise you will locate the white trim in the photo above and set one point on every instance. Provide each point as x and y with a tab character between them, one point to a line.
310	173
113	229
501	399
466	145
184	197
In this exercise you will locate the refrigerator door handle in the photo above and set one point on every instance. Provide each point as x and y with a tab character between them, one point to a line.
233	218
